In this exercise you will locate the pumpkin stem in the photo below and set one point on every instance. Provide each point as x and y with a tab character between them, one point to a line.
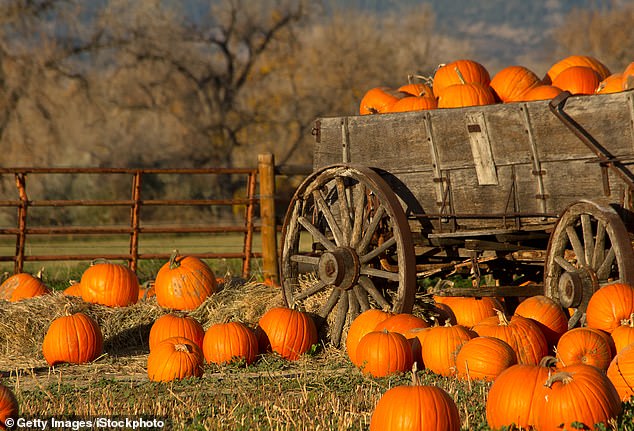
503	319
415	378
174	263
68	309
98	261
460	75
561	376
40	274
548	361
629	322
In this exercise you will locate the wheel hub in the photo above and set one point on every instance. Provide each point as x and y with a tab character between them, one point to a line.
339	267
576	287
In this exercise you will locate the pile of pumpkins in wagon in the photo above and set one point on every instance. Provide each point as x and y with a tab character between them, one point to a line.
543	375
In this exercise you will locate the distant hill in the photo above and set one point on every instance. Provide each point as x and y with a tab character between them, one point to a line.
502	32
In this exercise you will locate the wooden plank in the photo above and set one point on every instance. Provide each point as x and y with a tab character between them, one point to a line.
482	291
481	149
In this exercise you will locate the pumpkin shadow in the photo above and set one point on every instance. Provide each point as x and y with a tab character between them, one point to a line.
130	341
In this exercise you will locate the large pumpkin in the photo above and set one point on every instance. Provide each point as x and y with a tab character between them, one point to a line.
442	344
22	285
401	323
415	408
175	358
585	346
381	353
229	342
548	314
609	305
464	71
110	284
621	372
484	358
173	325
577	397
522	334
74	338
576	60
469	311
287	332
8	406
463	95
360	326
578	80
184	282
510	83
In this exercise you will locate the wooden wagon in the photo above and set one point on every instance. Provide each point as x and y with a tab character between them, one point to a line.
536	195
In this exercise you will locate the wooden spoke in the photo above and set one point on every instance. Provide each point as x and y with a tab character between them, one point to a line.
316	233
369	287
588	240
380	273
603	272
317	287
599	245
359	209
328	306
302	258
332	223
340	318
377	251
353	304
367	235
564	264
344	209
576	245
362	297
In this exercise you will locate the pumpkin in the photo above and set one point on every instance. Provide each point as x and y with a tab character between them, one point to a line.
522	334
611	84
401	323
361	325
230	342
576	60
146	291
609	305
417	89
174	358
623	335
584	346
577	397
174	325
109	284
621	372
442	344
23	285
378	100
510	83
512	397
540	92
381	353
415	407
413	103
464	71
8	405
74	289
484	358
462	95
578	80
184	282
469	311
73	338
287	332
548	314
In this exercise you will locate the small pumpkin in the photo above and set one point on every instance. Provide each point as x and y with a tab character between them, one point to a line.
230	342
512	81
621	372
174	358
175	325
415	407
146	291
540	92
184	282
442	344
623	335
287	332
585	346
8	406
379	100
464	71
109	284
484	358
576	60
74	289
75	338
609	305
381	353
361	325
611	84
577	396
417	89
23	285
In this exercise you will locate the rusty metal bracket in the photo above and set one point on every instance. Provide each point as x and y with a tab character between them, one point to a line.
556	106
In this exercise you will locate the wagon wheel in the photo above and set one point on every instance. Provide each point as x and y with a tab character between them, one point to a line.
588	248
347	230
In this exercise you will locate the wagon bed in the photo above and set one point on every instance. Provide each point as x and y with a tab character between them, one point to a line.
542	188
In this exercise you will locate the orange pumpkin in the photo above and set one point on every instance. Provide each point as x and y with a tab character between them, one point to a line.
484	358
174	358
74	289
540	92
611	84
576	397
463	95
576	60
446	342
401	323
287	332
381	353
74	338
173	325
413	103
464	71
379	100
609	305
109	284
578	80
469	311
623	335
146	291
361	325
184	282
621	372
8	406
416	89
548	314
522	334
511	82
21	286
584	346
230	342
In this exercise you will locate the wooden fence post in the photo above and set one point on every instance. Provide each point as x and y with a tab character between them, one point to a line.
266	171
